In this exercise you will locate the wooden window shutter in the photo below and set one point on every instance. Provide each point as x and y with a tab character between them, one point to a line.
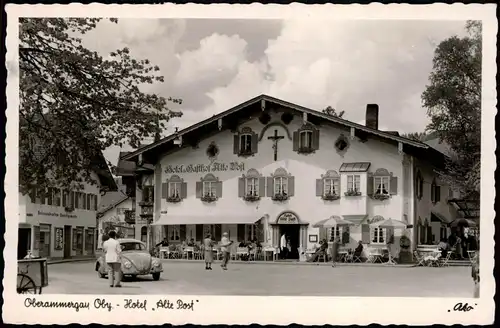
84	200
432	193
270	187
42	194
182	231
346	236
164	190
291	186
95	202
241	187
323	234
369	185
89	197
429	235
72	199
262	186
199	189
183	190
236	144
49	196
218	189
295	141
315	139
76	194
241	232
365	233
393	185
319	187
64	195
255	143
199	232
438	193
57	200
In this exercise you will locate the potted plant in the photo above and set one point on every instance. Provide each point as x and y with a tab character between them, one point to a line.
174	198
251	197
405	253
330	196
305	150
280	197
209	198
352	192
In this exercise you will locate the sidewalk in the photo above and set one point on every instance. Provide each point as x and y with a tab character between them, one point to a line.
340	264
79	259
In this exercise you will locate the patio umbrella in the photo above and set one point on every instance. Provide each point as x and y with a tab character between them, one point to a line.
333	221
390	223
463	223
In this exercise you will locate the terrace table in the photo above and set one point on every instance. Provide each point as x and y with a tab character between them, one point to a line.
343	256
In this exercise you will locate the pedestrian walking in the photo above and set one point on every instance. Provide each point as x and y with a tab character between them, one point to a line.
225	243
112	249
208	245
335	250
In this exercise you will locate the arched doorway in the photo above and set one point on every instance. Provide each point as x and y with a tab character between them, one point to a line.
289	230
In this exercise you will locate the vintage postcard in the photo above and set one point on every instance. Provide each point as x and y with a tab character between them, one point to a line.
235	164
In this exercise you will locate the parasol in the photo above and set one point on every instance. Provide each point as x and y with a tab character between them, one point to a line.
333	221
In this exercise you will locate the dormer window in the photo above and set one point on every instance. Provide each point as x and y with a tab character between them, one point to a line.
328	187
245	142
306	139
281	185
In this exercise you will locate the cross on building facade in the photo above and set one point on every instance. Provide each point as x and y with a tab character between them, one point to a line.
275	138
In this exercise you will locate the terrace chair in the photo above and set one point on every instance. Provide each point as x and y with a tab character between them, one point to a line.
322	256
419	258
444	261
240	251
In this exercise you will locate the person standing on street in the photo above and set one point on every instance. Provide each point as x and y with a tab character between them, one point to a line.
208	250
225	243
335	250
112	249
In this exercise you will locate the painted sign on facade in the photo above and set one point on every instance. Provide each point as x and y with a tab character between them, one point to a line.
58	239
62	215
205	168
287	218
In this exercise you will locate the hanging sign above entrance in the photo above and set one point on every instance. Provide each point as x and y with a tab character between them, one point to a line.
287	218
205	168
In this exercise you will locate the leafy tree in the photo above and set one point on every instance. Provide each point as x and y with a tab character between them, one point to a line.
74	103
417	136
453	102
332	112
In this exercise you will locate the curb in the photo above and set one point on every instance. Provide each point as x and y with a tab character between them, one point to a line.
70	260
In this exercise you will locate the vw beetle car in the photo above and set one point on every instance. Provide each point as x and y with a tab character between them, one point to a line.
136	261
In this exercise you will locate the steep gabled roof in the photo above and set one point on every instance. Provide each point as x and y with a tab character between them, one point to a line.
250	107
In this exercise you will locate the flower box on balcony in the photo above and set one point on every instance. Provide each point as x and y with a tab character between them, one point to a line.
280	197
252	198
381	196
146	203
208	198
351	193
69	208
245	153
174	199
305	150
330	197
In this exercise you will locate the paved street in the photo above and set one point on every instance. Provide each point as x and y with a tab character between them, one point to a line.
271	279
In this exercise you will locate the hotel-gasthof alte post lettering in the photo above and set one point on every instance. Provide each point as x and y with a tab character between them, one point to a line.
268	167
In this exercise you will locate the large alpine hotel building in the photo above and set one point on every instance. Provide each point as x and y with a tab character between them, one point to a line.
266	167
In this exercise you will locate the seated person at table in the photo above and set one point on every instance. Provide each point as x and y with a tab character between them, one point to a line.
321	250
242	244
191	243
163	243
444	247
359	250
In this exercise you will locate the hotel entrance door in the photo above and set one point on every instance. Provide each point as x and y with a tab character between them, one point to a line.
292	233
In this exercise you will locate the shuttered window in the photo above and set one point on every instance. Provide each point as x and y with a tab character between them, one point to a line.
246	142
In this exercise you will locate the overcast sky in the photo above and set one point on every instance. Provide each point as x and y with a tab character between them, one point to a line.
215	64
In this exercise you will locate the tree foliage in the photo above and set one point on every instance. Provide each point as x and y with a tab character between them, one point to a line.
74	103
417	136
453	102
333	112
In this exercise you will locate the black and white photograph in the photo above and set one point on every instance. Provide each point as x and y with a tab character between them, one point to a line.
229	157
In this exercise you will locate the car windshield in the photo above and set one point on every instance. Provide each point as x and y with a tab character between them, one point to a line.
131	246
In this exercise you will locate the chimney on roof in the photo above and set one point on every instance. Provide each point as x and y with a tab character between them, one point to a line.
371	120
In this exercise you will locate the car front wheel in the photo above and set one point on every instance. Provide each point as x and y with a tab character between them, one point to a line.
156	276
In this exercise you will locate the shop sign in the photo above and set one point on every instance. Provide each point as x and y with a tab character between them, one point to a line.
205	168
288	218
61	215
58	239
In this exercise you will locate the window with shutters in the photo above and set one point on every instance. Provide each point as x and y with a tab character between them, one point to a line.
384	184
335	232
281	185
435	192
306	139
148	195
328	187
175	189
209	189
419	185
245	142
378	236
251	186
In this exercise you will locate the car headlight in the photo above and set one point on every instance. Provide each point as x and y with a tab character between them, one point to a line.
127	265
156	263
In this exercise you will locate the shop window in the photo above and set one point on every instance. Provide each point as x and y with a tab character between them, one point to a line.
174	233
89	240
45	236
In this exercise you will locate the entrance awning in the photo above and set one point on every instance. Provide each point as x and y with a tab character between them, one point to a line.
356	219
167	219
436	217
